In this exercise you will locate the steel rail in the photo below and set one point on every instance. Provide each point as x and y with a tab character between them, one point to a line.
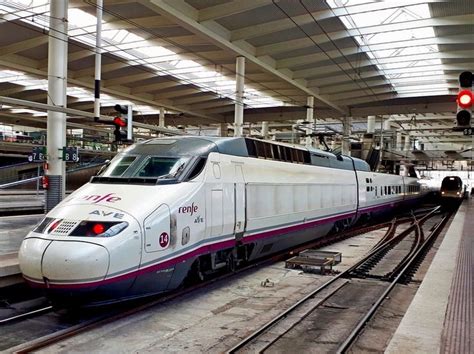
361	324
26	315
324	286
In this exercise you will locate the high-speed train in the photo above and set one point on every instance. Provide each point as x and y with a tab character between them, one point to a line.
452	188
167	208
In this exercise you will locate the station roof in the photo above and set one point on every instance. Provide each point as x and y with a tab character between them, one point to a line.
400	59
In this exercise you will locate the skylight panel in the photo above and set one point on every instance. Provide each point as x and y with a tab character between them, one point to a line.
398	52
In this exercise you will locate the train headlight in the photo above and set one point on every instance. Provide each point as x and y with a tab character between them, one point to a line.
442	192
99	229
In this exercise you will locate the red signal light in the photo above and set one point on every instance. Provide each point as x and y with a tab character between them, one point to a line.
120	122
464	99
98	228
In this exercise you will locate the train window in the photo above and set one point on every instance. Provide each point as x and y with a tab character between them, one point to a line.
282	154
366	180
306	157
289	158
294	155
368	189
268	151
198	167
300	156
252	151
164	167
276	152
119	166
260	148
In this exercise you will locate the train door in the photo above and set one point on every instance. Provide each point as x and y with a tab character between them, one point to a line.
157	230
239	201
215	202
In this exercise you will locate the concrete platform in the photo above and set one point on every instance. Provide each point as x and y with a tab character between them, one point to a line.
21	201
12	231
439	319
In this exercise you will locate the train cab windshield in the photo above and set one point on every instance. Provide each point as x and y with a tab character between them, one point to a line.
142	168
451	184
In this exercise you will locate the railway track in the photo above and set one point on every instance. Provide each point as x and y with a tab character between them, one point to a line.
59	325
332	317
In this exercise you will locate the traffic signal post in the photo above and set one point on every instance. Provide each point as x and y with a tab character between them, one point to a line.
123	119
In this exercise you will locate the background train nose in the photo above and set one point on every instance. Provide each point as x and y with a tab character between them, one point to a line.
75	262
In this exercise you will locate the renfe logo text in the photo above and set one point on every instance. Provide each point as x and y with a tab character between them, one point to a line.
109	198
191	209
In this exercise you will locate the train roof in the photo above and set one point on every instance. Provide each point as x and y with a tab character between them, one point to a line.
246	147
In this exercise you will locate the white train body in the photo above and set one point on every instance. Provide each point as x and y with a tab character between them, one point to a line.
129	236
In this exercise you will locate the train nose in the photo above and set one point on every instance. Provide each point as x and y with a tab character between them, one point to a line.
74	263
30	256
63	263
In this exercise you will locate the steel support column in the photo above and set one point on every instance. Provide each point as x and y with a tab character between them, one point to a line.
57	85
239	95
98	59
223	129
399	140
346	130
265	130
370	124
310	119
407	146
161	118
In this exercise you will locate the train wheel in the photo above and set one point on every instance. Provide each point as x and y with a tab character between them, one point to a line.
195	274
231	262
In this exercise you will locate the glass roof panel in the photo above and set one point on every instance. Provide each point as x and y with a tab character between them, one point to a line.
379	29
133	48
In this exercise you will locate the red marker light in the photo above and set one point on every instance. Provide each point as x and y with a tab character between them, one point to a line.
98	229
464	99
120	122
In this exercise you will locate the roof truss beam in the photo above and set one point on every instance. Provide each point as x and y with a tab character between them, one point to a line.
229	8
23	45
285	23
187	16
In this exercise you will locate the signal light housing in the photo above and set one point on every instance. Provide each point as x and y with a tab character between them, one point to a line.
465	79
464	101
463	118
